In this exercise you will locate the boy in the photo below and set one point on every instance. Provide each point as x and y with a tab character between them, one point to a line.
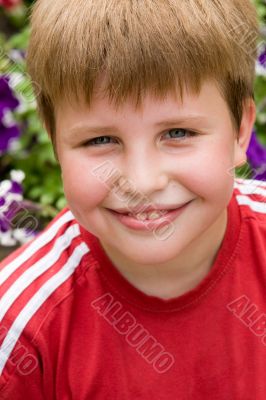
151	284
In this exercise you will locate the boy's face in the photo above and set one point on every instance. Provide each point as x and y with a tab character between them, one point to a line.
163	164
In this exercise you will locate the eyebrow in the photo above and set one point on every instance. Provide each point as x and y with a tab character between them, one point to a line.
182	120
80	129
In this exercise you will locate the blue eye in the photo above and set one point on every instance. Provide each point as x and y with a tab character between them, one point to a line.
179	133
176	133
101	140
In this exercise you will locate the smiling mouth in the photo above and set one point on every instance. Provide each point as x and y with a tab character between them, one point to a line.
152	221
148	215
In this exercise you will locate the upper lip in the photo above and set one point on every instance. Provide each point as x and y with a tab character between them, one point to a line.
148	208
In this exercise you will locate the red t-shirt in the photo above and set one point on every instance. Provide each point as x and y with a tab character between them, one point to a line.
72	328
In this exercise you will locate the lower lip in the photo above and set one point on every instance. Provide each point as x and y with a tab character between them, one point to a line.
148	225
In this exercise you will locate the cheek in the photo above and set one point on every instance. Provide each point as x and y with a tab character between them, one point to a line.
210	173
82	188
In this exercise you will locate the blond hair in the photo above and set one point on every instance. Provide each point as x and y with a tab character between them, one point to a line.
140	45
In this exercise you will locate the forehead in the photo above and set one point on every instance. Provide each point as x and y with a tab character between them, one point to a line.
102	110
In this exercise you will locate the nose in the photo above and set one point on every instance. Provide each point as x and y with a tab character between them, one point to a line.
143	174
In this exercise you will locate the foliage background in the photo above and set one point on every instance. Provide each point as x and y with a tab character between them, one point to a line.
32	152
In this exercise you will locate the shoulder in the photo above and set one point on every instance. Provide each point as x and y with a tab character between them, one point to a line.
251	199
61	235
35	277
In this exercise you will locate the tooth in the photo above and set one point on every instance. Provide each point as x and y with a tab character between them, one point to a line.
154	215
141	216
148	215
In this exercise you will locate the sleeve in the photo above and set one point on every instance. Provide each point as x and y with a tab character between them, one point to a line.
21	370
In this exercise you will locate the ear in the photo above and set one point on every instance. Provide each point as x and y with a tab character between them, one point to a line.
245	132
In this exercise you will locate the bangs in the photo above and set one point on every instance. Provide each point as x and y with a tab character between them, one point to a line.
139	46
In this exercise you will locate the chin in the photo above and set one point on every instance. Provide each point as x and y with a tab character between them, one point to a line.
150	258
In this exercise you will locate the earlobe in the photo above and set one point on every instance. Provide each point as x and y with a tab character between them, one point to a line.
245	132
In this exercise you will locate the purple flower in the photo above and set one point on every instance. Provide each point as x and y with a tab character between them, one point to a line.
13	210
7	134
11	205
7	98
262	58
257	158
9	130
11	196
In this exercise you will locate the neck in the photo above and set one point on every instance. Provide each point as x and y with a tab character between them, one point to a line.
180	275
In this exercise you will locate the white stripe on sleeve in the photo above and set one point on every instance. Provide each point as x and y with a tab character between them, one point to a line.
251	189
37	269
254	205
35	246
36	302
